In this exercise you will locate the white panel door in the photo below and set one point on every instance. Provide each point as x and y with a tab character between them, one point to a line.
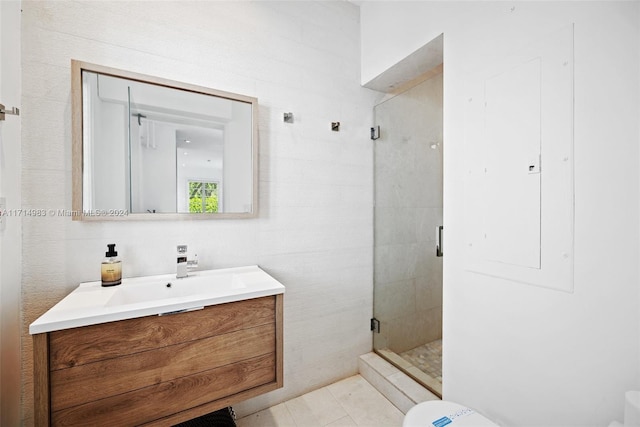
512	169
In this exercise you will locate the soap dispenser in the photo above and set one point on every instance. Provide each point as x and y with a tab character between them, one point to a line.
111	267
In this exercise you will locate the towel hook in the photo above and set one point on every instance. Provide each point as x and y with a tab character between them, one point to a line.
14	111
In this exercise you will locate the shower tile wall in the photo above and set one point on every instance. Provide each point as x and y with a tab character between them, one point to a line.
408	194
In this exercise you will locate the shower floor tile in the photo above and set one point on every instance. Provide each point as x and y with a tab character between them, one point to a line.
427	358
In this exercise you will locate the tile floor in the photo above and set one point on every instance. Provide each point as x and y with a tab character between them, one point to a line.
428	358
347	403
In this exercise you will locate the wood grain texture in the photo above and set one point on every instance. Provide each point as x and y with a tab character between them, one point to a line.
160	370
88	344
99	380
280	340
212	406
161	400
76	139
41	379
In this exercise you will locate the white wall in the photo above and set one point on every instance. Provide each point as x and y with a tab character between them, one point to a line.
10	241
158	171
520	354
314	232
109	133
237	167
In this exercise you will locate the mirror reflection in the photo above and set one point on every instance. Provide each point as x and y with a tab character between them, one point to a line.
153	148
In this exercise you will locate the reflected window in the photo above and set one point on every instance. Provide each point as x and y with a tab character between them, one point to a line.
203	197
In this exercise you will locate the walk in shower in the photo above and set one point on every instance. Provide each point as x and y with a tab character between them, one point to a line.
408	214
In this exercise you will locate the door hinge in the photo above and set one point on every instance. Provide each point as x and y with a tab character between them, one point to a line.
375	325
439	231
375	132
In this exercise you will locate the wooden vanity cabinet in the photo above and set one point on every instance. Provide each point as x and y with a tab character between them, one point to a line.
159	370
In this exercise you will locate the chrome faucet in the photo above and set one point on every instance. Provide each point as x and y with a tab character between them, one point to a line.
184	265
181	270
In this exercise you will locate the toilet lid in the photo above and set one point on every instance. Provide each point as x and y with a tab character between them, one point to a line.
440	413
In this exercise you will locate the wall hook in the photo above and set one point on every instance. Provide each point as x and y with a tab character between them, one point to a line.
288	117
14	111
335	126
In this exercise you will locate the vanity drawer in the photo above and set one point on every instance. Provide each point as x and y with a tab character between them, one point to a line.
73	386
167	398
78	346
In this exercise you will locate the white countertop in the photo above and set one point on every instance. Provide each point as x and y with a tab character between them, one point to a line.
91	303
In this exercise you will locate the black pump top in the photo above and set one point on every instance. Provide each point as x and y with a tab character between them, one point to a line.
112	250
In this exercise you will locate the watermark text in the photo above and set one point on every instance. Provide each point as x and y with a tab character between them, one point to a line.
39	212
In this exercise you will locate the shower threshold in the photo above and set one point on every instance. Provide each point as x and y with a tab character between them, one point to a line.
432	382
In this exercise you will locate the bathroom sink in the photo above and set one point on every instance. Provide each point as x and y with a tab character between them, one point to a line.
90	303
172	288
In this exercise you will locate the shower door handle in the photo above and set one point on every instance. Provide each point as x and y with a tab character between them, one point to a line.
439	230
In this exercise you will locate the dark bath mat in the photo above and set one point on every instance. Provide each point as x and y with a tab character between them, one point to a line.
222	418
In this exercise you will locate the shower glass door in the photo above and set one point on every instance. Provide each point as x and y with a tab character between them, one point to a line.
407	214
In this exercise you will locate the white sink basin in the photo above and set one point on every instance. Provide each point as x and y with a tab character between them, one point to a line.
172	288
90	303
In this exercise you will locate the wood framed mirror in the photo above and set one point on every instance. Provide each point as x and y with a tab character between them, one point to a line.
145	147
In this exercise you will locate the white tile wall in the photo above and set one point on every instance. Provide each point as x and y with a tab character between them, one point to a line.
314	232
